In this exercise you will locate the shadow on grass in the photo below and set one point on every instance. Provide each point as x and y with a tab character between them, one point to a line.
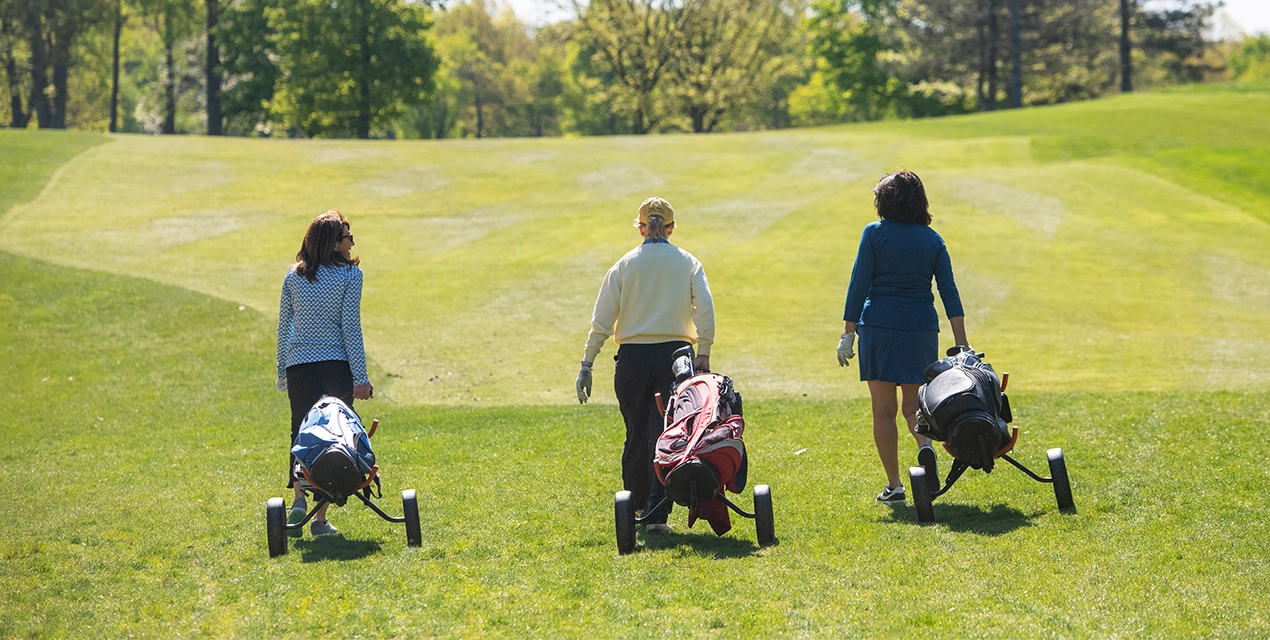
702	543
334	547
966	518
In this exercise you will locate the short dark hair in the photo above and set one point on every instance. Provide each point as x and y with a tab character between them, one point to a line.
901	197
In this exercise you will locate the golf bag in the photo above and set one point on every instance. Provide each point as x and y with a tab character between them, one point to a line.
332	452
700	452
962	405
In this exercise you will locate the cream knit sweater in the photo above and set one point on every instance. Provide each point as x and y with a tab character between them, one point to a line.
656	293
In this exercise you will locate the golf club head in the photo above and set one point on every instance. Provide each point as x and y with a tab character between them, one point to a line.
682	364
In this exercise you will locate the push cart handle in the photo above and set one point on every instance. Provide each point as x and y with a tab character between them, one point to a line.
374	471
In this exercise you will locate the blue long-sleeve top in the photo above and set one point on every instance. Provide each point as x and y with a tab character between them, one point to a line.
890	283
322	320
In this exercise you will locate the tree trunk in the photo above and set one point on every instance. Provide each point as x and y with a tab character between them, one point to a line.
1016	55
169	91
215	119
480	116
363	82
61	81
637	126
114	73
39	102
994	36
983	66
1126	62
62	32
698	116
17	116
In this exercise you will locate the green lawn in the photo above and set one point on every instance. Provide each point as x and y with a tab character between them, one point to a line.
1111	256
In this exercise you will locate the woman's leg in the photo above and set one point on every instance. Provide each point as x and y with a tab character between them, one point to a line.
885	429
909	407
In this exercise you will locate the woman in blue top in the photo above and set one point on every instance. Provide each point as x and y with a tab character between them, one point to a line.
320	335
890	305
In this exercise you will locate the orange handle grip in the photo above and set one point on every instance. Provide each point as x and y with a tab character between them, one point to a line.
1005	380
375	425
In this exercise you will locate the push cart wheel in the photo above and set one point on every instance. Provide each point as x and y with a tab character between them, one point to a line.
276	521
921	494
1062	486
764	521
410	506
624	516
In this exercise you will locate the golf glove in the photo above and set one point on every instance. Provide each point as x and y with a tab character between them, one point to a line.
281	384
846	348
584	384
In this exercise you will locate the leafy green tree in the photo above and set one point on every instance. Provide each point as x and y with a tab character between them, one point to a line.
635	41
11	15
730	52
51	28
1250	62
349	66
174	21
859	44
247	64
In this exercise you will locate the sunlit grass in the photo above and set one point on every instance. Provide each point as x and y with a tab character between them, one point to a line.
1088	240
1123	282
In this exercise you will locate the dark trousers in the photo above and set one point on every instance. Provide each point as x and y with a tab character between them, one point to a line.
641	371
306	384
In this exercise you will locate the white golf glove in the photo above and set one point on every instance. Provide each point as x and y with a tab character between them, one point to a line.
584	384
846	349
281	384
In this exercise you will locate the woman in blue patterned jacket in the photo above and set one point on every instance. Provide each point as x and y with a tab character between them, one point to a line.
889	302
320	335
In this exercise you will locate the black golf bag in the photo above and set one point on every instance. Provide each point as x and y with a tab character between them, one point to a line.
962	405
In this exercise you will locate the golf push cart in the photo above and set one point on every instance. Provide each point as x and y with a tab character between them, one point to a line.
333	463
963	404
699	454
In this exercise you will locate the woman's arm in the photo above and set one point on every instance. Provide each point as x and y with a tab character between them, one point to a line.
351	324
702	317
285	316
959	330
861	280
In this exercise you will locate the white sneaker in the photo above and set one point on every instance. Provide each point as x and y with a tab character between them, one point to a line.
321	528
892	495
656	529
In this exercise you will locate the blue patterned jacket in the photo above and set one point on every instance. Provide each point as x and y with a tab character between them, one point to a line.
322	320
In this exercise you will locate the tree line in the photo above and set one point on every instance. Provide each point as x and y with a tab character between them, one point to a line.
411	69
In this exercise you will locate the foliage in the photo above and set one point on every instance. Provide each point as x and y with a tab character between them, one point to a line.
247	59
1250	62
860	46
350	66
731	53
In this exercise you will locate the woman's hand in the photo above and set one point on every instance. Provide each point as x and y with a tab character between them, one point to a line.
846	348
364	391
583	383
701	364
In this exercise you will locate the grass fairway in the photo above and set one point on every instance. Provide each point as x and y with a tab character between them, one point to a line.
1111	256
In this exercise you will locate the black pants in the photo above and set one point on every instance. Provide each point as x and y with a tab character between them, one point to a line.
641	371
306	384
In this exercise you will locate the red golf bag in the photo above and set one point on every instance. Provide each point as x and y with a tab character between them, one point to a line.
700	452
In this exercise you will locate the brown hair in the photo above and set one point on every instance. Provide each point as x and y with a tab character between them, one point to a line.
900	196
318	247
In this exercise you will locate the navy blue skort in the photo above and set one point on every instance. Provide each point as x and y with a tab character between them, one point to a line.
892	355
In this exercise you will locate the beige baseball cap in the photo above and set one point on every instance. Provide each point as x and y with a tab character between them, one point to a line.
655	206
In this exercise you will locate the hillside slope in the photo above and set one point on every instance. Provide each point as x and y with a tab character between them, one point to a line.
1117	244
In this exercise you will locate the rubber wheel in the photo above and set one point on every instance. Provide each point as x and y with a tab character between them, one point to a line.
764	521
921	494
276	521
624	518
410	507
1062	486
